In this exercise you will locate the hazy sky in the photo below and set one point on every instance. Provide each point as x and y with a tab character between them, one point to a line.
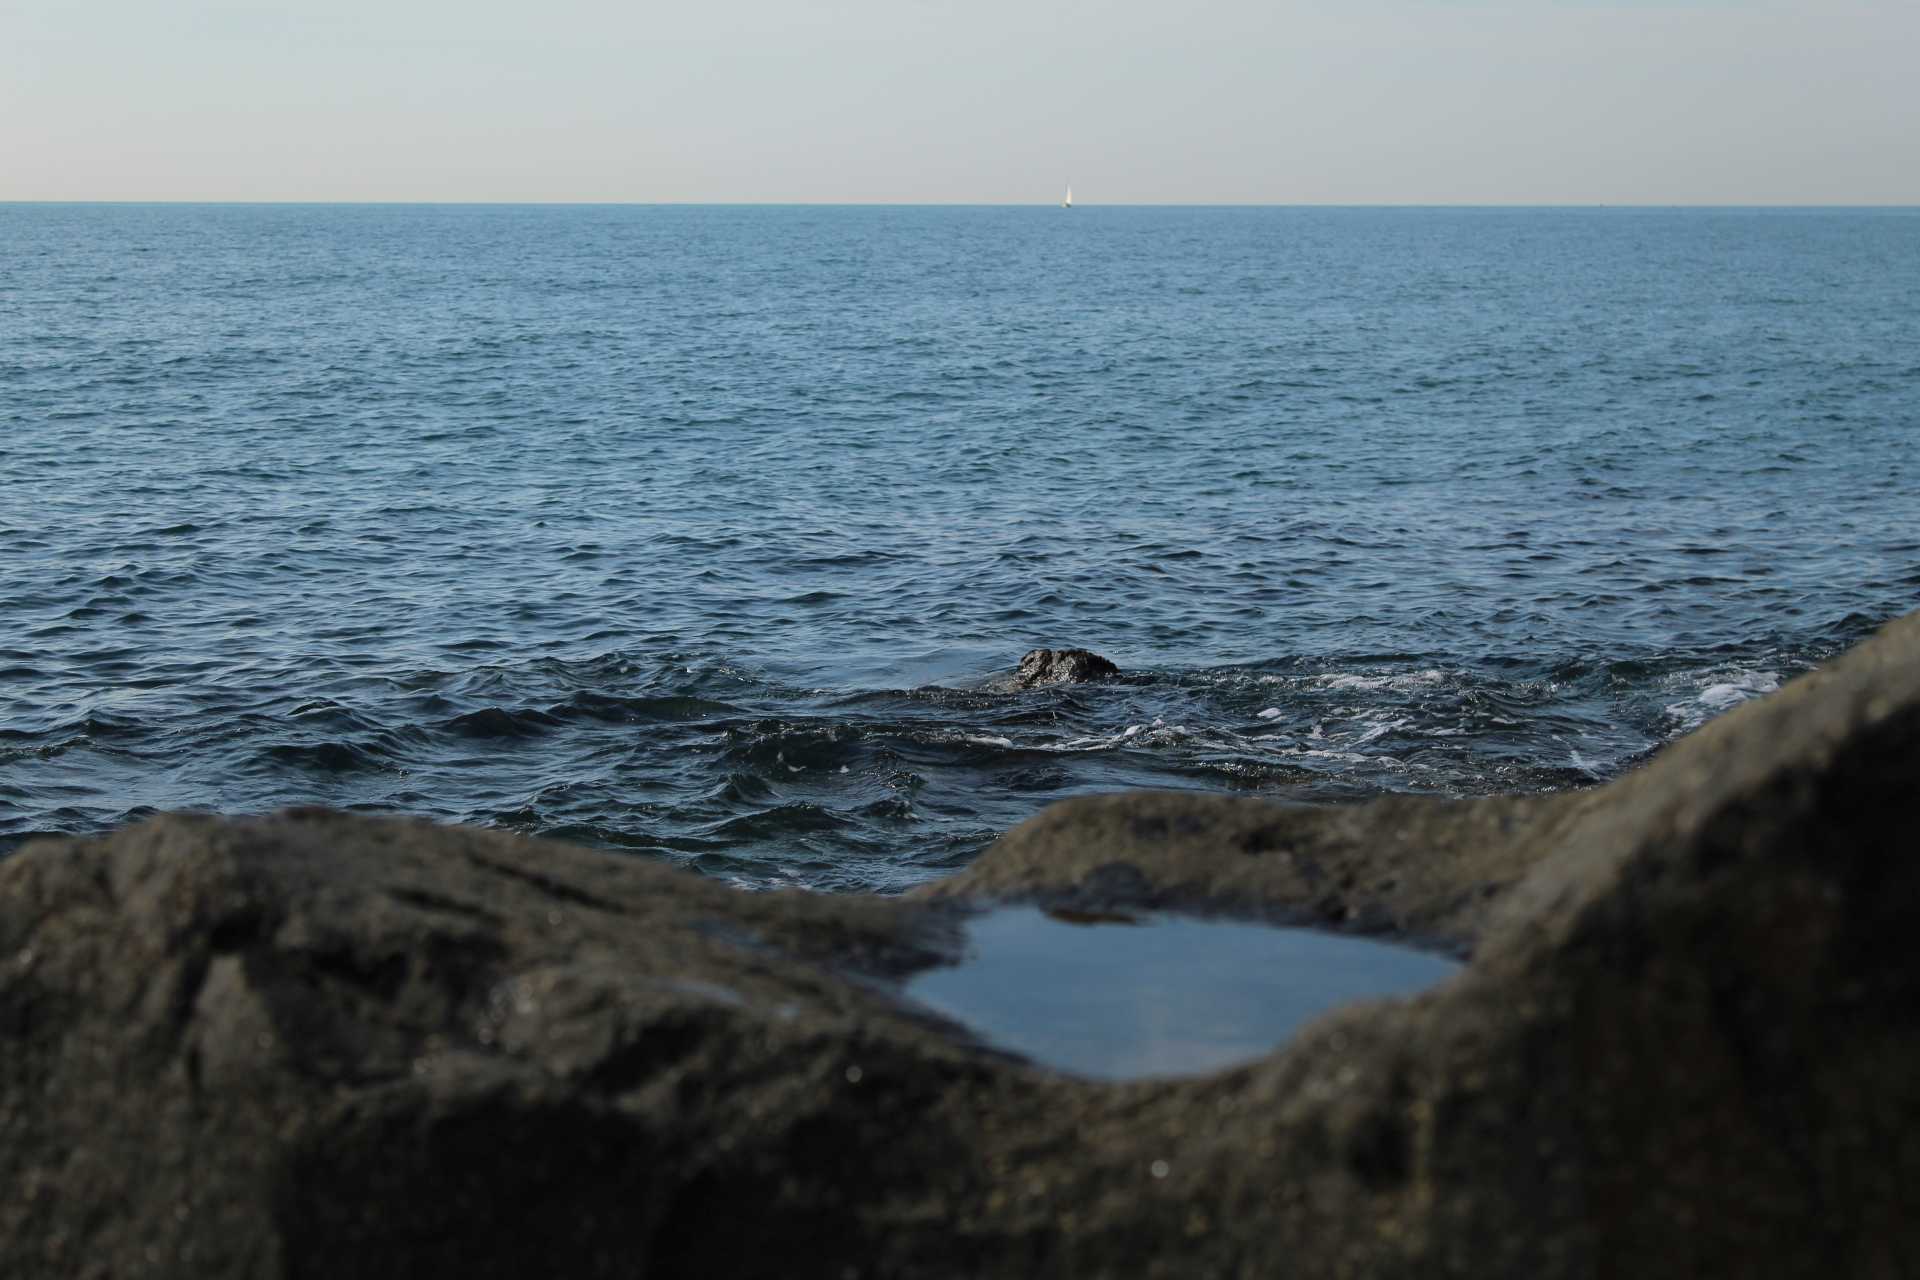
1266	101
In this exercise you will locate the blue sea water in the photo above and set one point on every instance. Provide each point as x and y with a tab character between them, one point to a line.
702	533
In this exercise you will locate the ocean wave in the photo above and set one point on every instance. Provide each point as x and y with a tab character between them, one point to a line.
616	709
1396	682
501	722
329	757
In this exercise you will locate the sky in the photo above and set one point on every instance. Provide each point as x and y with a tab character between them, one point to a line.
964	101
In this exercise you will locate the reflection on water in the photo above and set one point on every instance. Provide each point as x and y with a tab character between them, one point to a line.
1120	997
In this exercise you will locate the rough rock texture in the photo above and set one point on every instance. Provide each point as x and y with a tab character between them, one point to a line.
1061	666
1420	868
1688	1042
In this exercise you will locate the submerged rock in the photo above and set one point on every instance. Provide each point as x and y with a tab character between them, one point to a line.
322	1045
1061	666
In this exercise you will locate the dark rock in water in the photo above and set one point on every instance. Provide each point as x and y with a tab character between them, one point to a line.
1062	666
317	1045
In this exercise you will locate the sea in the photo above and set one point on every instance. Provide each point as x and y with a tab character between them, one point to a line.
710	534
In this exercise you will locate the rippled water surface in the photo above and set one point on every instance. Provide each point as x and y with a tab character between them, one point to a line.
702	532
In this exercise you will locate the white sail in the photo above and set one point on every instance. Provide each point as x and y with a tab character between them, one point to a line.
1068	202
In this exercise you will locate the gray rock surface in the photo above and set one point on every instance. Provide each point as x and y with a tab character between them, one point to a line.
319	1045
1061	666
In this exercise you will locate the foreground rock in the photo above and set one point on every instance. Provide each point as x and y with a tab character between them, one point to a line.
1061	666
315	1045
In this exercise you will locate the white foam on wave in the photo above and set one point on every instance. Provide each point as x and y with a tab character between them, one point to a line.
1321	753
1718	691
1344	743
1159	733
1396	682
985	740
1379	730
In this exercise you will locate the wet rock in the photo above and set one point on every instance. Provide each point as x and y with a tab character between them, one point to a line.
322	1045
1061	666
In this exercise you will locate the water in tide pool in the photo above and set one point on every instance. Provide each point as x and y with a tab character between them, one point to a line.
700	533
1121	997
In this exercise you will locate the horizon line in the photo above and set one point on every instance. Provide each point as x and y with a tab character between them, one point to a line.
981	204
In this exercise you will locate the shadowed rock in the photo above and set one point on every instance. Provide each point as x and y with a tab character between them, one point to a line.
1061	666
317	1045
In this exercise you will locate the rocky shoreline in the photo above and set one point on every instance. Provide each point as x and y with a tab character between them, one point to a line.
315	1044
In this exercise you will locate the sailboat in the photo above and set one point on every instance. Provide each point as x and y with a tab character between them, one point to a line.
1068	202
